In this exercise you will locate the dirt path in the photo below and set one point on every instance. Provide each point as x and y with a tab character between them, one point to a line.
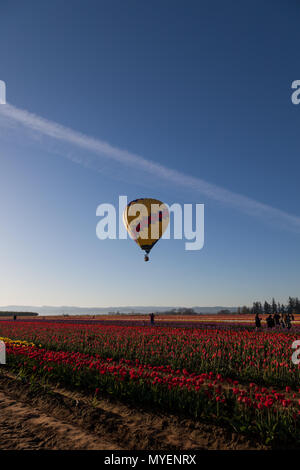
54	418
23	427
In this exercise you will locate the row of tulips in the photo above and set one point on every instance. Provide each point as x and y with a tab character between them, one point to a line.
262	357
269	413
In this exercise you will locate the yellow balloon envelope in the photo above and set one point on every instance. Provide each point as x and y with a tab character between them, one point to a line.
146	220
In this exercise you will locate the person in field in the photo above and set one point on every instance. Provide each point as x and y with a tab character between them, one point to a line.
289	319
277	319
257	321
152	318
270	321
284	320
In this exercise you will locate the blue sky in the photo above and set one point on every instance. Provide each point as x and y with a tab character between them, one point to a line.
203	88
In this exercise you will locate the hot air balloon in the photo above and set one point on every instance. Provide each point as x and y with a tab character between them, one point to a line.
146	220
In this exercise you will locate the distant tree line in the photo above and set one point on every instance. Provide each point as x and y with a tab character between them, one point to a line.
180	311
19	314
225	311
291	307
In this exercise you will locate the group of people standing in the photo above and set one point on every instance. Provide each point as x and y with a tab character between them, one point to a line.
277	320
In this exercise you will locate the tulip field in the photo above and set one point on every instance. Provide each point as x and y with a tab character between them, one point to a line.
236	377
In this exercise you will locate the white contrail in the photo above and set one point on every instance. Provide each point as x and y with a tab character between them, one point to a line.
58	132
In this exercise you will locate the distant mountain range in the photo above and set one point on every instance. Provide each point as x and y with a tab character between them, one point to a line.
66	310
